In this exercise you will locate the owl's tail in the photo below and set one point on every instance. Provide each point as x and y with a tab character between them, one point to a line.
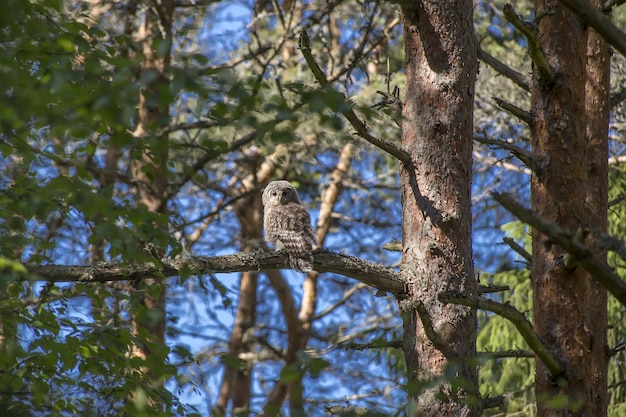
301	264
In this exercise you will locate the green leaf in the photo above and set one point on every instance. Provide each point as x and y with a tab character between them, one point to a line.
316	365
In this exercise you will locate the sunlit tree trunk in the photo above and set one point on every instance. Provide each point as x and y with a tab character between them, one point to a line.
570	189
437	132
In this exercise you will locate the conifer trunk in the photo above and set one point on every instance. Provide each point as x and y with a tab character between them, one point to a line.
569	190
437	132
597	107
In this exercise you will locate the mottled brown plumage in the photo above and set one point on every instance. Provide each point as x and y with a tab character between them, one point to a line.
288	224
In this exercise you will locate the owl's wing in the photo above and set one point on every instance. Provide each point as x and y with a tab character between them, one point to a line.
293	228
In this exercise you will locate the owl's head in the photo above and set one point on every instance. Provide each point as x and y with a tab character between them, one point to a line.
280	192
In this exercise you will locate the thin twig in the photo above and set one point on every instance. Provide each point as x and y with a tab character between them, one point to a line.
348	113
522	154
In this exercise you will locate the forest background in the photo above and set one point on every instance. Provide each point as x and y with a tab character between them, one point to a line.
142	133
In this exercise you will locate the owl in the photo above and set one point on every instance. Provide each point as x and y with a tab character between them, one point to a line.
288	224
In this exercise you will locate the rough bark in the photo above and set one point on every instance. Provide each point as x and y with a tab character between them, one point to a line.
564	181
597	108
437	134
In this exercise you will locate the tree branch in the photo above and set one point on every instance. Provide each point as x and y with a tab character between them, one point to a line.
376	344
490	289
349	114
429	329
522	154
599	21
518	249
610	4
523	115
518	319
606	242
375	275
534	45
503	354
598	269
503	69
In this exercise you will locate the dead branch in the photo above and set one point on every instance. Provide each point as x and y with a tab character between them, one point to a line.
349	114
503	69
523	115
503	354
522	154
394	344
598	269
599	21
534	45
610	4
606	242
518	319
490	289
375	275
518	249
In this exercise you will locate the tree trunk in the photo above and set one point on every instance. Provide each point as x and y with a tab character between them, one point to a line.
149	170
597	107
569	190
439	340
237	383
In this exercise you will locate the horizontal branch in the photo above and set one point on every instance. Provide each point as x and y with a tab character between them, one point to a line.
518	319
598	269
505	354
374	275
491	288
194	3
376	344
357	124
534	45
599	21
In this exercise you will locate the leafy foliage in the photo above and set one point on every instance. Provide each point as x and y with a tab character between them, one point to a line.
237	99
